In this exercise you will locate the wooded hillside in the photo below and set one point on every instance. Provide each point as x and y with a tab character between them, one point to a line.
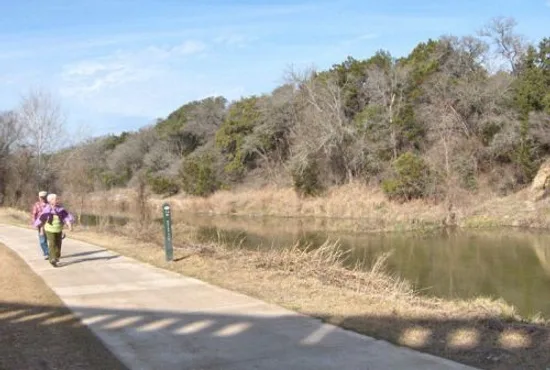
454	113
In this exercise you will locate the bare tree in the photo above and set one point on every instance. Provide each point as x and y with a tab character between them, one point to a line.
509	45
269	140
43	124
322	129
463	108
20	177
128	156
159	157
454	101
10	133
387	88
446	126
78	171
540	128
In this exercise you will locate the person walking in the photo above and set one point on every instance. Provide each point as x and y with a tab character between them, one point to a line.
53	218
36	211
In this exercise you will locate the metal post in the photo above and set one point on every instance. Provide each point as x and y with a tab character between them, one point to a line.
167	221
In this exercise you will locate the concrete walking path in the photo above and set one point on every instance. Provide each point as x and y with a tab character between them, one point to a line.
156	319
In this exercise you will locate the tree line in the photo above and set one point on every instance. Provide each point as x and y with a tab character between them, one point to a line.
455	114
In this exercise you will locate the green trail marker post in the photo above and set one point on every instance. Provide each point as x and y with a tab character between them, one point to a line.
167	221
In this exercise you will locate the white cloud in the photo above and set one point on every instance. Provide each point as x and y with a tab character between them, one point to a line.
87	68
369	36
358	39
235	39
189	47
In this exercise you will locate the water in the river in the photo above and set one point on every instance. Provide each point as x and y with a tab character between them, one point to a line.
95	220
504	263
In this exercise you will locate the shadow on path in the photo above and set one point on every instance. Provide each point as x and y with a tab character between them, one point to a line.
80	260
82	254
214	341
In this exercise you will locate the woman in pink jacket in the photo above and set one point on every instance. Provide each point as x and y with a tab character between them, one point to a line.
53	219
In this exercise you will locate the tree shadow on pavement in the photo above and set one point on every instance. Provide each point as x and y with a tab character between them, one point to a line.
39	337
207	340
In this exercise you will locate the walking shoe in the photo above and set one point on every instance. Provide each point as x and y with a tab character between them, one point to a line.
53	263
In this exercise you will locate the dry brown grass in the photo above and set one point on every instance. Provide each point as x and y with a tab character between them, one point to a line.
360	208
481	332
517	210
348	201
353	207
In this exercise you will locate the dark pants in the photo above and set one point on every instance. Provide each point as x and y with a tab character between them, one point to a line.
54	245
43	243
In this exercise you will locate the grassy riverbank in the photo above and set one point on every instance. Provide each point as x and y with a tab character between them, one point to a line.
481	332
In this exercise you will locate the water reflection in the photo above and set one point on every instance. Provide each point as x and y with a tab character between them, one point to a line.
506	263
98	220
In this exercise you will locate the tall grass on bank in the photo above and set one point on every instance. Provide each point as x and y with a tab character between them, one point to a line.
327	264
351	202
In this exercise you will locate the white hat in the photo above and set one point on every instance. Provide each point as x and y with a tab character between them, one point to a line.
42	193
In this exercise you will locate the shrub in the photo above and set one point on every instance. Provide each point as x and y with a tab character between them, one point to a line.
112	141
111	179
466	171
198	175
306	180
410	180
241	119
162	185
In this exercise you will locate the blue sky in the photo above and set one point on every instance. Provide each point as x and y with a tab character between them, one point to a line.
117	65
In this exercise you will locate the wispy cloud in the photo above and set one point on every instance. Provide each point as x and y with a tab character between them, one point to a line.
92	76
88	78
131	82
355	41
